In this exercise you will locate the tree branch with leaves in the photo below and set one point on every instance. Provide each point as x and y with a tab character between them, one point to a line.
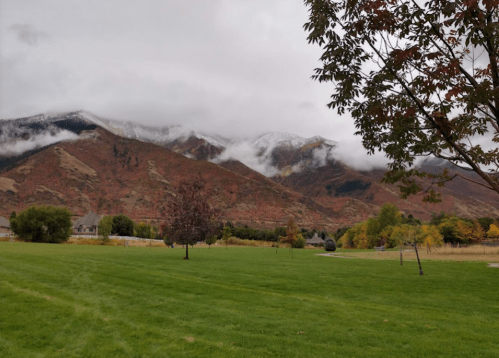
418	80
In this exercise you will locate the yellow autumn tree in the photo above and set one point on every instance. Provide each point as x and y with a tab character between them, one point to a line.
478	231
430	236
291	233
493	231
400	235
360	237
465	229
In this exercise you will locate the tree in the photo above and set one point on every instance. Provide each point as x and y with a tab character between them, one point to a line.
485	222
12	221
388	216
122	225
292	234
430	236
401	235
226	234
419	80
493	231
43	224
211	240
105	227
191	217
143	230
450	231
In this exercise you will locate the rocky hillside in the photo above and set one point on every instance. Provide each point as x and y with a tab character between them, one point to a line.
85	162
108	174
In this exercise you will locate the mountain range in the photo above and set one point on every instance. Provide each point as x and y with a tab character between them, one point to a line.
85	162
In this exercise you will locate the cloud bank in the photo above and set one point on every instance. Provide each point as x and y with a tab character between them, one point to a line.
248	155
19	146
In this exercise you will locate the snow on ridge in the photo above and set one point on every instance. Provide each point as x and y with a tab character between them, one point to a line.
278	138
317	138
215	140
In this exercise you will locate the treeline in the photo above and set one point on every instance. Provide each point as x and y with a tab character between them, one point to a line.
247	233
391	228
122	225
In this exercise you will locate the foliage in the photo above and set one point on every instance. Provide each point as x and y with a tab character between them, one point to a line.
409	74
211	240
410	220
493	231
300	242
485	222
191	217
388	216
144	230
450	233
105	227
340	232
166	238
291	233
43	224
402	235
357	236
122	225
438	219
478	231
430	236
329	244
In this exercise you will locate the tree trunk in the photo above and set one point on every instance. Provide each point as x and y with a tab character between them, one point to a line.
186	252
419	262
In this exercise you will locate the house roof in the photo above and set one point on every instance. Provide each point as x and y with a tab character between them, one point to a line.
4	222
315	240
89	220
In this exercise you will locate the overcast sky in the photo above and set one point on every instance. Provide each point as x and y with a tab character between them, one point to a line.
232	67
235	66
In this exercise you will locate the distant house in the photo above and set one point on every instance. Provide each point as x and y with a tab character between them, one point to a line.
87	225
4	225
315	241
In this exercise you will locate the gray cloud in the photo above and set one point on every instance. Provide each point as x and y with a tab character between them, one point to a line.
234	67
27	34
15	147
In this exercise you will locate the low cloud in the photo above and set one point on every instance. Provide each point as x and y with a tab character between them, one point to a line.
353	154
260	158
247	154
27	34
19	146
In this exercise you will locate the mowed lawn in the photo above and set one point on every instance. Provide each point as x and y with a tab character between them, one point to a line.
99	301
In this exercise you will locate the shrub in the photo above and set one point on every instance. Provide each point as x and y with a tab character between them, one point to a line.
43	224
122	225
300	242
329	245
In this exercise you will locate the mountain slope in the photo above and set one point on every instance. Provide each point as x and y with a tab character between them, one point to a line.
131	174
109	175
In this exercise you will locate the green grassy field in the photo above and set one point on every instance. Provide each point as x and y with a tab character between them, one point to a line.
98	301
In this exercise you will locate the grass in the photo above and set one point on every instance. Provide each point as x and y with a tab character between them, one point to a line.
107	301
445	252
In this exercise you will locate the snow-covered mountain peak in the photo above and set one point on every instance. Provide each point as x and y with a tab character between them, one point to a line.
317	138
272	139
